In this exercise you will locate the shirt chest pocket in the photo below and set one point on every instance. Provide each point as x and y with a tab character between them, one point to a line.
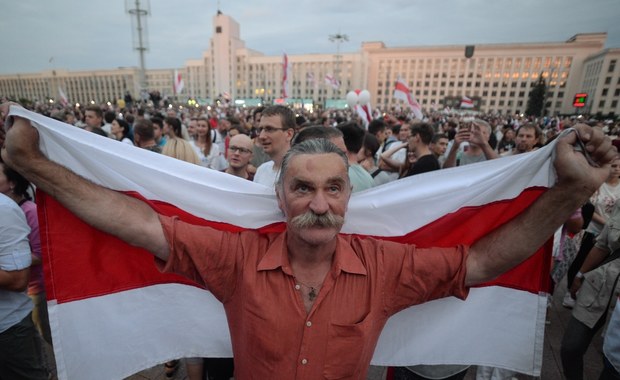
347	346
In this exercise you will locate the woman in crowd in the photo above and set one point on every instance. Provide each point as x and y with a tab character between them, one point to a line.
176	146
507	143
209	154
120	131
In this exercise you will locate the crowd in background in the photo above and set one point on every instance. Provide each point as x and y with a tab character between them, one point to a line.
393	145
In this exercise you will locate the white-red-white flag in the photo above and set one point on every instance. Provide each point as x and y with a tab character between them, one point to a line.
466	102
402	92
107	296
310	78
285	76
63	97
332	81
178	82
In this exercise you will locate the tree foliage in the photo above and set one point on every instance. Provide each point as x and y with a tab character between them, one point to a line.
536	99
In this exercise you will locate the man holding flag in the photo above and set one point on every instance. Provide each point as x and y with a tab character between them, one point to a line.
307	302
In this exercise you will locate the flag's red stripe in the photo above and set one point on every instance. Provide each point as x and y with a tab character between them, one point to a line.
86	262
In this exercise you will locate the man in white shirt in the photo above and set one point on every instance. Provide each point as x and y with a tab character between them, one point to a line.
275	132
20	353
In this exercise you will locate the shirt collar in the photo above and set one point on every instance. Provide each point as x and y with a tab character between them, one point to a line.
345	260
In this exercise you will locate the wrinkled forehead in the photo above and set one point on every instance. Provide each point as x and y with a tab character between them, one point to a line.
317	168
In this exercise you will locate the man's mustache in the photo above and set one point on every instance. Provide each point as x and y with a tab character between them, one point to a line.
311	219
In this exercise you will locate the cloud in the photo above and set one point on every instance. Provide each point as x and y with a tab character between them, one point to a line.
97	34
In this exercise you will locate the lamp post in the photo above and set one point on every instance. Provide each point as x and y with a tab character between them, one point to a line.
338	38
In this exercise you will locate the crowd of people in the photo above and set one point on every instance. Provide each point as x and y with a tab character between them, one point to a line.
259	144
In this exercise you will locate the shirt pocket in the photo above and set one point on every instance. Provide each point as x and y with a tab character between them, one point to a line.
346	348
593	285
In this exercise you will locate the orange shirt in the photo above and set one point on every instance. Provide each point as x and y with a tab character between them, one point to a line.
272	335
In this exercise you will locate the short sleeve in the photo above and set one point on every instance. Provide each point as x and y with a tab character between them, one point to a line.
418	275
202	254
14	245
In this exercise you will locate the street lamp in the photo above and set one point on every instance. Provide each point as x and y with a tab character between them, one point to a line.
338	38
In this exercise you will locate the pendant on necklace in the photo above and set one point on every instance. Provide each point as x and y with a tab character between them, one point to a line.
312	294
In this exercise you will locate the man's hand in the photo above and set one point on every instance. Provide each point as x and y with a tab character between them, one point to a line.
461	136
21	145
574	288
572	167
476	137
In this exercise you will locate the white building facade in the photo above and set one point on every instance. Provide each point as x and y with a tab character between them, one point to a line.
498	77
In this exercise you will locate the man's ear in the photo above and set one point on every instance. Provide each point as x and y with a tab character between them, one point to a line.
279	198
290	134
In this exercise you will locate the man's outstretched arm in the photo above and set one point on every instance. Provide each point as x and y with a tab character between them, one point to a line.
125	217
518	239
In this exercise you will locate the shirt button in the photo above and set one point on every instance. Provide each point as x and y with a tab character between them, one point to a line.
297	286
304	361
308	323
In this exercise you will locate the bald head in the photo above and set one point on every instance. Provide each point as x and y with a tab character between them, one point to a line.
239	151
241	140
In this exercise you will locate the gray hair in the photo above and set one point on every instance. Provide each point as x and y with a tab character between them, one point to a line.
312	146
483	123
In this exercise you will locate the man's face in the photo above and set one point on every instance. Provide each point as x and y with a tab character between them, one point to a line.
314	185
439	147
256	120
223	126
275	140
239	151
92	120
157	130
413	142
381	135
404	133
526	139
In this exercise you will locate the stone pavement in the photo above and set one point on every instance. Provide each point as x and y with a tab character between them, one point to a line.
557	317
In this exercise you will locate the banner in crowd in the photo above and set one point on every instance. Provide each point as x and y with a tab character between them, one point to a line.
113	313
286	70
402	92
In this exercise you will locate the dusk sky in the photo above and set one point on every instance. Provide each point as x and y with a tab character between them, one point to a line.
96	34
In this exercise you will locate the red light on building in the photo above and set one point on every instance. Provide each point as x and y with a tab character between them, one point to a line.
580	99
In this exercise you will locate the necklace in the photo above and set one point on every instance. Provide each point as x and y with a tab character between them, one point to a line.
313	289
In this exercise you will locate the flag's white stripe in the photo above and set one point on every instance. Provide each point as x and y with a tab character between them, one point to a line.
451	331
175	320
153	325
219	197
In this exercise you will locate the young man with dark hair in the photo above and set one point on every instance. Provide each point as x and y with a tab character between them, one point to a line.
144	136
421	137
353	136
275	133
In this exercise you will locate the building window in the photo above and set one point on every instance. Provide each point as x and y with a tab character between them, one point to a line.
617	92
614	104
601	104
604	92
608	80
218	29
612	66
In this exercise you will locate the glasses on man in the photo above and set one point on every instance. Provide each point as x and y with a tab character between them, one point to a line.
268	129
241	150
